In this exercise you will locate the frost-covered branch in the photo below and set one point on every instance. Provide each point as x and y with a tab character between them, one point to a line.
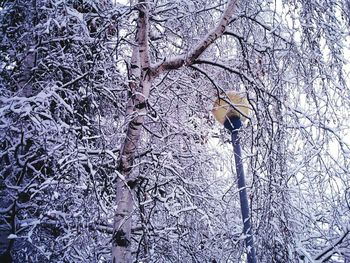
327	250
202	45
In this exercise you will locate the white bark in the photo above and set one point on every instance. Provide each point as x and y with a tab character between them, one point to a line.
142	75
197	51
139	86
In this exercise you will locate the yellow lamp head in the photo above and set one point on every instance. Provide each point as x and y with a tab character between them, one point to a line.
223	110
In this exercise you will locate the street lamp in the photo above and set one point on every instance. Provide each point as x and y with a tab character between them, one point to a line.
230	113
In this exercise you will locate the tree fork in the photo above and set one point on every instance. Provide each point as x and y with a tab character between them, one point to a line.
142	73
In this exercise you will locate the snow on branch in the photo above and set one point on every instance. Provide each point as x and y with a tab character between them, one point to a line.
328	251
142	34
198	50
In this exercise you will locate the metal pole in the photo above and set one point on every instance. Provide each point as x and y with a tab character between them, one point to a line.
233	124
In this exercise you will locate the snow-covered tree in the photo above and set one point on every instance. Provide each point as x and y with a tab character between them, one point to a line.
61	94
107	139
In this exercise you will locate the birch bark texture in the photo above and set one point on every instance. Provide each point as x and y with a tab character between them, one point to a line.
142	74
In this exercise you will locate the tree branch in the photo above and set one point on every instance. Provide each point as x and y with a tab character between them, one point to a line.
331	247
198	50
142	34
218	89
229	69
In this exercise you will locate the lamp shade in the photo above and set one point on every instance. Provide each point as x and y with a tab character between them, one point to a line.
222	109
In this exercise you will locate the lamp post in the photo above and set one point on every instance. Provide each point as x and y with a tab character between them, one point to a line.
231	118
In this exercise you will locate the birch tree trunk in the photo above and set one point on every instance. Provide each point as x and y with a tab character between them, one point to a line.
142	73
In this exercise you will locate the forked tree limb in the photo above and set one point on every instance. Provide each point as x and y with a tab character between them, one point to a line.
197	51
141	76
